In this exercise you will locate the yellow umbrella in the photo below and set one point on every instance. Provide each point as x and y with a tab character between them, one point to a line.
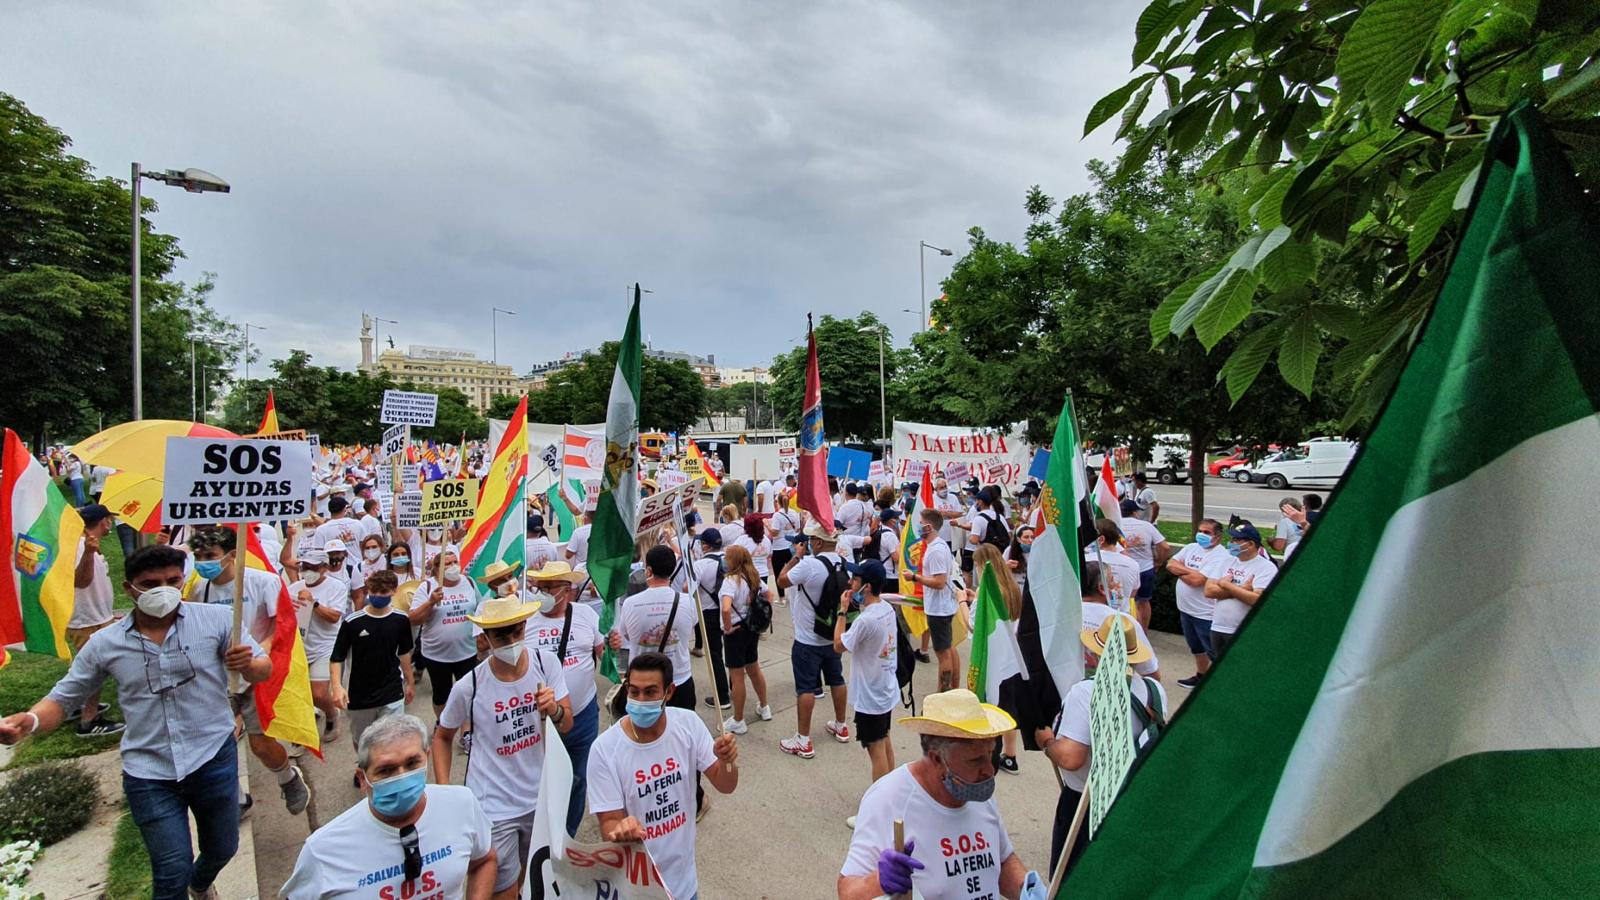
140	446
134	499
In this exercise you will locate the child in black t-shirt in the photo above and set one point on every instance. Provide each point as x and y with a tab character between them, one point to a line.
377	640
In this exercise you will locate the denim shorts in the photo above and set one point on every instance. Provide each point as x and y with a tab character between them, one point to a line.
1197	632
812	663
1147	585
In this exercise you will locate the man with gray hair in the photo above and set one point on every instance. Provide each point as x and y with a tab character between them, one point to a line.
409	838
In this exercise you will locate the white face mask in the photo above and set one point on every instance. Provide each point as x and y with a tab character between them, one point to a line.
311	577
507	589
452	573
508	655
371	554
158	601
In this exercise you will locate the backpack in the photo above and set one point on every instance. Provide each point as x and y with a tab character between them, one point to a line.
996	534
837	582
905	661
758	617
1152	719
873	549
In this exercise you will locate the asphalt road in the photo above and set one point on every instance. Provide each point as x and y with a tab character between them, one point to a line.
1255	502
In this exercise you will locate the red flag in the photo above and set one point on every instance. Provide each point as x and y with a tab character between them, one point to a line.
813	489
927	486
269	419
283	702
1105	492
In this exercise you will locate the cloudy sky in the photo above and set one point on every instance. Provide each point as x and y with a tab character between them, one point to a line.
749	162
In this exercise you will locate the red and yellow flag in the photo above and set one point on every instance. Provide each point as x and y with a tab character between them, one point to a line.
269	419
695	464
496	532
283	702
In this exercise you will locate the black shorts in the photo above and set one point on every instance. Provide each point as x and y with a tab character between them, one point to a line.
871	727
442	675
941	629
739	648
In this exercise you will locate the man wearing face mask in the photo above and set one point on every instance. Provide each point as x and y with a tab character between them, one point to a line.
503	702
170	662
214	562
1195	609
938	598
441	606
343	569
640	787
571	630
320	603
945	799
1236	582
339	527
376	640
407	839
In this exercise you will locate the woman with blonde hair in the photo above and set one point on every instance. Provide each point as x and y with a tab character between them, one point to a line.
739	586
989	555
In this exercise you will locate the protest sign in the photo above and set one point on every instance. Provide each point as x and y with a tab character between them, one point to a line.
409	473
448	500
787	448
1040	465
984	452
409	511
844	462
296	434
753	461
875	472
228	481
1109	731
954	472
394	441
671	478
656	509
385	503
551	457
314	441
409	408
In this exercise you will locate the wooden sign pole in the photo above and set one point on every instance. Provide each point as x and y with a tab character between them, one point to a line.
900	847
1072	838
240	551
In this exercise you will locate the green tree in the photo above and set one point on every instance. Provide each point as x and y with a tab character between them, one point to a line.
746	405
1362	123
847	363
504	406
671	397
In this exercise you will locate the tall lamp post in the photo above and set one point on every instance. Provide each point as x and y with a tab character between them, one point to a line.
494	332
883	405
195	181
922	267
247	327
194	409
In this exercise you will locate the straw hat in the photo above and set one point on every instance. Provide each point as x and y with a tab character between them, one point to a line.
498	612
958	714
822	532
497	569
556	571
403	594
1095	638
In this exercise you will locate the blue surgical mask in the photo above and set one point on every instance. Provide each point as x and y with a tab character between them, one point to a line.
1235	548
1204	540
859	596
1026	548
379	600
645	713
398	795
208	569
400	562
968	792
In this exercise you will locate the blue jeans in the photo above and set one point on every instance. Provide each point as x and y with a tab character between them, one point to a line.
77	491
578	740
161	810
1197	632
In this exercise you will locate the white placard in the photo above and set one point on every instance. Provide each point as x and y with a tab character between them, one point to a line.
409	408
656	509
410	512
761	458
314	441
394	441
787	449
385	503
409	474
223	481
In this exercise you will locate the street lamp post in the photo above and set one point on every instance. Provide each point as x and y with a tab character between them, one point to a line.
494	332
883	405
247	327
195	181
922	268
194	410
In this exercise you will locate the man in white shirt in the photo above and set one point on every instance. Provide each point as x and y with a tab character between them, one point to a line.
570	630
939	598
339	526
1236	582
505	703
956	844
91	607
1148	547
638	784
321	603
1144	499
853	516
407	838
812	657
577	547
870	639
1118	571
949	507
537	548
1195	609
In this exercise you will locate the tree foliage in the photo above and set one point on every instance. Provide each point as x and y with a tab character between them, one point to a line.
671	395
749	403
847	362
64	289
1360	124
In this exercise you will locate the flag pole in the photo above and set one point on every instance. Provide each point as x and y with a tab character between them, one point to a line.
900	847
700	623
240	551
1072	837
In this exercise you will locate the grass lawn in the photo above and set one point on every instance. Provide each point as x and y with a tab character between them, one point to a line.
28	677
1180	533
112	548
128	872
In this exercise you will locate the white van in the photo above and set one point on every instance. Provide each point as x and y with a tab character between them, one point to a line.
1318	463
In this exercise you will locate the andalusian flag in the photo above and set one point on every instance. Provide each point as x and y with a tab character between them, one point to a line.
1411	710
283	701
269	419
617	508
39	534
499	521
995	654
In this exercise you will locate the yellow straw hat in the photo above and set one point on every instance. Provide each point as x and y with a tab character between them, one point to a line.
498	612
556	571
1095	638
497	570
958	714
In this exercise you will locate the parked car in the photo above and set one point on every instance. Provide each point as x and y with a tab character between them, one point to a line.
1222	465
1316	463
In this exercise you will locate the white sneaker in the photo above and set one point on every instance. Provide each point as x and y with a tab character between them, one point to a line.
840	732
797	746
850	822
764	713
736	726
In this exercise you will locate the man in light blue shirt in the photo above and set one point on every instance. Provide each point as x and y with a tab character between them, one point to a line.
171	662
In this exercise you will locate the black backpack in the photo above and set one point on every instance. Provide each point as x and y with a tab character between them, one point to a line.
837	582
758	618
996	533
905	661
873	549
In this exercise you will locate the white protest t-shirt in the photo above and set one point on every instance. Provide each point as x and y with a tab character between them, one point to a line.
938	560
1095	613
705	580
1141	538
654	783
329	592
1191	599
874	688
1121	576
544	633
260	599
854	516
734	588
946	503
447	635
578	546
538	551
787	522
507	738
764	494
961	849
1073	722
91	605
371	526
346	529
644	620
810	575
356	855
760	554
1226	567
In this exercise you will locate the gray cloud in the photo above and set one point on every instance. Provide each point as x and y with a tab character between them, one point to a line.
748	162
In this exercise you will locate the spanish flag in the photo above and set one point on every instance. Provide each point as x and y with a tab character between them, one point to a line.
283	702
497	529
269	419
695	464
39	535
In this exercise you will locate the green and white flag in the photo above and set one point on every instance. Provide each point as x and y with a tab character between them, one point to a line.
617	508
1412	709
1053	560
995	654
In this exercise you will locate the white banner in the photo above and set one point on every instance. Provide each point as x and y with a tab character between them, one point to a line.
983	451
410	511
754	461
394	441
224	481
409	408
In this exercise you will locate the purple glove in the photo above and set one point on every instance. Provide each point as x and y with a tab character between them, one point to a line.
894	869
